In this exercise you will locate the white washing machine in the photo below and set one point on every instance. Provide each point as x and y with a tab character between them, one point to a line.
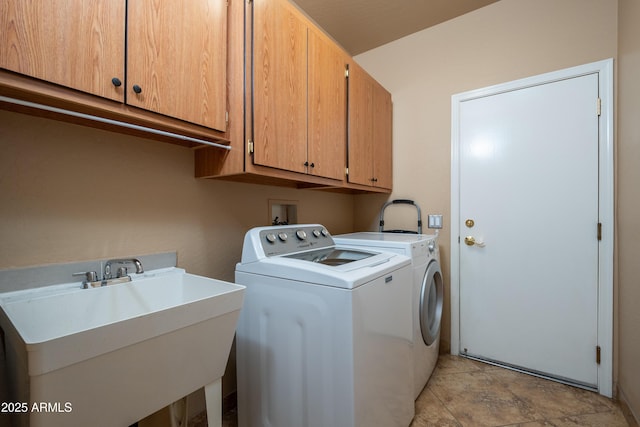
428	291
325	333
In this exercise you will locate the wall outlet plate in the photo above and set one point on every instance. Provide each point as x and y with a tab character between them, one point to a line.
435	221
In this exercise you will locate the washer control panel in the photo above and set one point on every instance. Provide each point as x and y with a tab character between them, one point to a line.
282	240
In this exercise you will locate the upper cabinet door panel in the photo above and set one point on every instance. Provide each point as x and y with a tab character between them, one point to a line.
360	127
327	136
74	43
382	137
176	59
279	86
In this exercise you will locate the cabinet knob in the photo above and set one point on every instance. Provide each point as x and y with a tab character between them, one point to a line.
312	165
137	89
116	82
306	163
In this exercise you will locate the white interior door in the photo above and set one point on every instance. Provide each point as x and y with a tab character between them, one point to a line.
528	181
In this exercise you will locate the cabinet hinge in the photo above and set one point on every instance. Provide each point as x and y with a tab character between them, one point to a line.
598	354
226	116
599	232
250	146
599	106
346	71
346	171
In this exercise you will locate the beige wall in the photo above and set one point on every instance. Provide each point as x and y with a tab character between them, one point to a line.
71	193
628	207
501	42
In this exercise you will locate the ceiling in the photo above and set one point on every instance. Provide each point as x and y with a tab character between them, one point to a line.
361	25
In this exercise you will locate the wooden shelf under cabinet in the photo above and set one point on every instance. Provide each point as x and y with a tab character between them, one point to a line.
28	89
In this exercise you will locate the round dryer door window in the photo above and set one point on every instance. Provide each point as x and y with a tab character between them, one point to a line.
431	300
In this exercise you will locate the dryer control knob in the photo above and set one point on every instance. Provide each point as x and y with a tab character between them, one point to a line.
324	232
301	235
283	236
316	233
432	246
271	238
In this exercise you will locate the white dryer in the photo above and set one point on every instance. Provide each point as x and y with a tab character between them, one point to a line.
428	291
325	333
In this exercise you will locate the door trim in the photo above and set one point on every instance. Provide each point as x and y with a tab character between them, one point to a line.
604	69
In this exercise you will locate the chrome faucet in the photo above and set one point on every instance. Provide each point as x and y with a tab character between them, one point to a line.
121	271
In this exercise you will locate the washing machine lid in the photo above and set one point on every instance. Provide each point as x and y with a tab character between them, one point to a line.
333	256
331	271
374	238
416	246
306	257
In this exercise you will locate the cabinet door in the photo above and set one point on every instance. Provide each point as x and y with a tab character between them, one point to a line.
360	127
327	108
74	43
382	137
176	56
279	86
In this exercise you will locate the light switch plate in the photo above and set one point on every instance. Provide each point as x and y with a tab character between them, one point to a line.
435	221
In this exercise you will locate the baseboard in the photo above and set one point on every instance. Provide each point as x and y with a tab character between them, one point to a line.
229	402
626	410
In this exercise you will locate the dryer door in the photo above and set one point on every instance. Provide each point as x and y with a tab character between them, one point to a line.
431	300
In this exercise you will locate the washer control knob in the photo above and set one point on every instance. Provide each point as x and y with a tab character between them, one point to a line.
271	238
316	233
432	246
324	232
283	236
301	234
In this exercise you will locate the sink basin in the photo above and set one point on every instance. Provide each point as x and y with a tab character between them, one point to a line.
113	355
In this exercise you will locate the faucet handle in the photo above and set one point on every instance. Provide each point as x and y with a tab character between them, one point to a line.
90	276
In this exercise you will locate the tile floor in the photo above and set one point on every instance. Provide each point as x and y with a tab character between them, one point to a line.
466	393
463	392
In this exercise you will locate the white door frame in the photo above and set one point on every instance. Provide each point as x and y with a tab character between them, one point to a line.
605	209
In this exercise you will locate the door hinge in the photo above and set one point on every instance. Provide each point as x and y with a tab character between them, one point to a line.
598	354
599	231
599	106
250	146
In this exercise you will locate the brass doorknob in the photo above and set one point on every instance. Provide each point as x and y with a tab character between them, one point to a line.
470	241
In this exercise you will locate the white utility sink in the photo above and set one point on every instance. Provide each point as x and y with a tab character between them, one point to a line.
112	355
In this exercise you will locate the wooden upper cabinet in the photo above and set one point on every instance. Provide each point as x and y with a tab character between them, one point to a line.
279	86
176	59
176	53
75	43
299	93
327	107
370	131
